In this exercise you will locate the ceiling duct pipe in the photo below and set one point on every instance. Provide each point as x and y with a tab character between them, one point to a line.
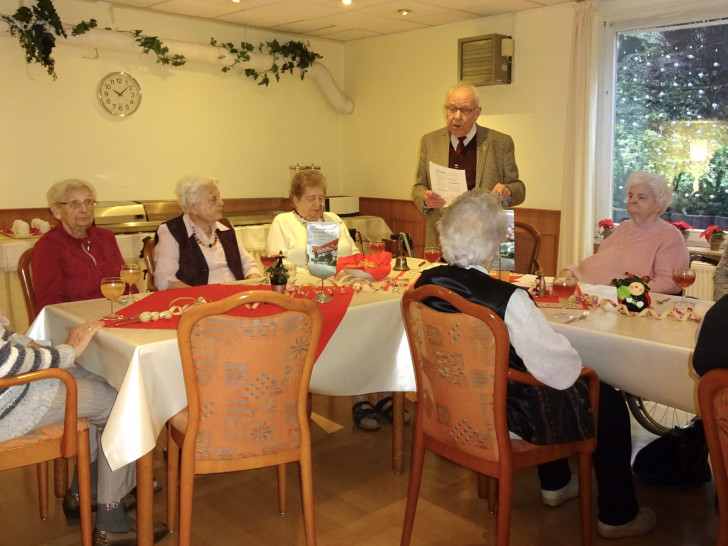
125	42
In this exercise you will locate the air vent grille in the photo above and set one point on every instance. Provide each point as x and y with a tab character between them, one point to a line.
481	60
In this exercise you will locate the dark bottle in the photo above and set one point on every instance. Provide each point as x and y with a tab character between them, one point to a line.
278	275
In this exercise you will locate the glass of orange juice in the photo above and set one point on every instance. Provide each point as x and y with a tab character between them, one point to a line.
130	274
112	288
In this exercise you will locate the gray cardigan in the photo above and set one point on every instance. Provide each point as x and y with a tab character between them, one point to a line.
22	406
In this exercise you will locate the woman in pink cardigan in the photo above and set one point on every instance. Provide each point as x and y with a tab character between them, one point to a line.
644	245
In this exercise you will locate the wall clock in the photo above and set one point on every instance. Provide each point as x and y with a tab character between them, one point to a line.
119	94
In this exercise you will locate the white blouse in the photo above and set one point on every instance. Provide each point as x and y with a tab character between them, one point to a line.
288	233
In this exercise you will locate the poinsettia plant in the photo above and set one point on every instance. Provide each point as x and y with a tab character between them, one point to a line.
682	226
711	231
606	225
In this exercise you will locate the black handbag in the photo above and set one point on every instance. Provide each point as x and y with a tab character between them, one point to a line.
679	457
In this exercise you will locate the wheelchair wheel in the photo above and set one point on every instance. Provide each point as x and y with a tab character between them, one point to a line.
655	417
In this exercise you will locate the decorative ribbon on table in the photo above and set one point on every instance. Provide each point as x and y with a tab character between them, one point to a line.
180	298
609	305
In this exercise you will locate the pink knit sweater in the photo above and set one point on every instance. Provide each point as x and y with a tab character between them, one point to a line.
654	249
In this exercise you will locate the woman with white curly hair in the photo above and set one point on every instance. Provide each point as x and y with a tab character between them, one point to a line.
200	246
471	230
646	245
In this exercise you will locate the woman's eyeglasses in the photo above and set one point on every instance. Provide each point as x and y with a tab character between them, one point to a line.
88	203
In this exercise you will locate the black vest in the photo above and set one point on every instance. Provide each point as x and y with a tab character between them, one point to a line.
540	415
193	268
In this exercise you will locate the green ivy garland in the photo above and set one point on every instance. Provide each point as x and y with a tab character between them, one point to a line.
38	26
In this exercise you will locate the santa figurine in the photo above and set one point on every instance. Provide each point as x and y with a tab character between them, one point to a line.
632	291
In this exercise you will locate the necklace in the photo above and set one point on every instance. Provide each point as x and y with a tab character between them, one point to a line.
199	242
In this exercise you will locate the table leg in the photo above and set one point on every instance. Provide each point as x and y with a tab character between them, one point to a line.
145	499
398	432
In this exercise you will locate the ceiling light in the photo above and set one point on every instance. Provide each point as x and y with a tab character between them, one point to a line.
236	1
404	11
346	2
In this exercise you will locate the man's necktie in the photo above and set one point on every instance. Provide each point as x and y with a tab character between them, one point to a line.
460	146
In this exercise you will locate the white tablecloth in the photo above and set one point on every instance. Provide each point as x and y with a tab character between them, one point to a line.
640	355
367	353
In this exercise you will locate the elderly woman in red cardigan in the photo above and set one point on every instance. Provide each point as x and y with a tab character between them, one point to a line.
70	260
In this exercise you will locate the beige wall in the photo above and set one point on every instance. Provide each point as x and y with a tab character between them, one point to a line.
192	119
197	119
398	83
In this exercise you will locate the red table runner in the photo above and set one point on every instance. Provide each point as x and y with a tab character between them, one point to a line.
333	312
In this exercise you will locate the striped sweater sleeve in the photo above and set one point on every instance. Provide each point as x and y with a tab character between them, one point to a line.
16	357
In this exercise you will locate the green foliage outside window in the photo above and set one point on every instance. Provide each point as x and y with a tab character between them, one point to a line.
671	118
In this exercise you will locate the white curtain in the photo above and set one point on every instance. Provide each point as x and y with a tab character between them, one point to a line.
577	204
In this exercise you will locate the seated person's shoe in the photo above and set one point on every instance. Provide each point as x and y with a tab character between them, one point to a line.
71	503
560	496
365	417
110	538
384	409
644	523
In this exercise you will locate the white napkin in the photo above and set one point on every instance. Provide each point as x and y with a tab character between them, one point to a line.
40	225
21	228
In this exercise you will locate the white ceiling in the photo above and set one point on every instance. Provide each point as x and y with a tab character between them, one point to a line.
332	19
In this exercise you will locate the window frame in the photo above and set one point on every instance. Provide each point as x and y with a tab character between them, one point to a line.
659	18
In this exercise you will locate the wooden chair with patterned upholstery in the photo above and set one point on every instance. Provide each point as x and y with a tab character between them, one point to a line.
67	439
713	401
25	276
148	255
461	369
528	245
247	388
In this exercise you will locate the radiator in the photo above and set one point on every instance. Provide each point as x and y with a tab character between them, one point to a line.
702	288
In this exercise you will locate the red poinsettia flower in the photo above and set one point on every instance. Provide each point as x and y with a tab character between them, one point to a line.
606	223
710	231
682	226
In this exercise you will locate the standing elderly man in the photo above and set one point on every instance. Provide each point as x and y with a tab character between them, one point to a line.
486	156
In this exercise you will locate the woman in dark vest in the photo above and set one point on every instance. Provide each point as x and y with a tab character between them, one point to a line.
200	246
471	230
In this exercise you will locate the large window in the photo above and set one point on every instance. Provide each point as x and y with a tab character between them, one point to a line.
670	116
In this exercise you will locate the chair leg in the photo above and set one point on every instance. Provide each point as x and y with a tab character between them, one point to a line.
309	520
42	471
60	477
83	465
413	487
585	497
186	491
172	481
488	489
505	498
282	488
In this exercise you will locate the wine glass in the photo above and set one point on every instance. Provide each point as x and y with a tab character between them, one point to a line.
683	277
563	288
376	247
112	288
130	274
432	254
268	261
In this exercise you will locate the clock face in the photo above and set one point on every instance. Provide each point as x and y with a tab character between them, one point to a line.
119	94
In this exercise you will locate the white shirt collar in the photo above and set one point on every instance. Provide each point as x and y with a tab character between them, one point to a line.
189	225
468	137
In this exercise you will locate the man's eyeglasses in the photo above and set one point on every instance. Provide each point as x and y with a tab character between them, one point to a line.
452	109
88	203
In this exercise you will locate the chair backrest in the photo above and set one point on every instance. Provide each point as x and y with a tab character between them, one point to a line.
713	401
25	275
461	366
68	443
148	255
247	380
528	245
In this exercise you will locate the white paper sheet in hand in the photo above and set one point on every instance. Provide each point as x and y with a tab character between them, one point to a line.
447	183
